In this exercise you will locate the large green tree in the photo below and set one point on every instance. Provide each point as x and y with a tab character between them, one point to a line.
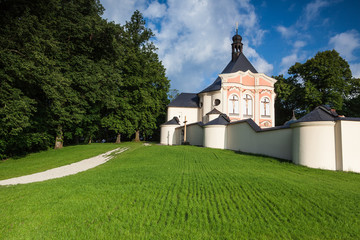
144	86
67	74
325	79
59	67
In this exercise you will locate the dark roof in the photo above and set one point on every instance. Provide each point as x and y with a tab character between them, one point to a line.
321	113
201	124
251	122
173	121
223	119
214	111
185	100
241	64
213	87
256	127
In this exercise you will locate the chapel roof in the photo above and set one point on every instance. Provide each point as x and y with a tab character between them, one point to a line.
173	121
214	111
320	113
241	64
223	119
185	100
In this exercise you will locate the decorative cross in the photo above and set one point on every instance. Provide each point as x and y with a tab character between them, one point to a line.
247	98
185	129
233	100
265	102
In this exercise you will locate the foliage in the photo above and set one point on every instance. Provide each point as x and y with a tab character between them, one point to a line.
63	70
186	192
145	84
173	93
325	79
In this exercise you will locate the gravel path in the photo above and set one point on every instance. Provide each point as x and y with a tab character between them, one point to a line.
64	170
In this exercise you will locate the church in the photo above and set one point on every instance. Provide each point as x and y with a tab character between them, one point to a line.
238	93
236	112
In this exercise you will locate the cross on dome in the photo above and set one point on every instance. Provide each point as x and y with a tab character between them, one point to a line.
237	44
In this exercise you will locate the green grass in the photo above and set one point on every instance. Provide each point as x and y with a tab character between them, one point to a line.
185	192
37	162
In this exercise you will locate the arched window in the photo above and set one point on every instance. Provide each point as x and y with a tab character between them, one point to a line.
233	104
247	105
265	107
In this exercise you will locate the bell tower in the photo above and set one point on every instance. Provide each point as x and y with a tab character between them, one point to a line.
237	45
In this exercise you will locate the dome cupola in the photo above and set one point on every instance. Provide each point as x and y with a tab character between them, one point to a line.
236	45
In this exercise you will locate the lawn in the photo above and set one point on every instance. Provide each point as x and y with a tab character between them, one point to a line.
36	162
185	192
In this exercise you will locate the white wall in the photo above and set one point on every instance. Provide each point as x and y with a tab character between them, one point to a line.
314	144
168	136
322	144
190	113
214	136
274	143
195	135
350	145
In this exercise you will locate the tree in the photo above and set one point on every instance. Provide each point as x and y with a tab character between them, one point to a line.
57	63
145	84
288	98
172	94
325	79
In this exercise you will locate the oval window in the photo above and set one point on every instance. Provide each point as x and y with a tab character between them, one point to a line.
217	102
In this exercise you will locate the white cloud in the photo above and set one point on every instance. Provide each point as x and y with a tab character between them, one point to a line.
155	10
289	60
297	55
345	43
311	12
299	44
121	11
286	32
355	69
260	64
194	37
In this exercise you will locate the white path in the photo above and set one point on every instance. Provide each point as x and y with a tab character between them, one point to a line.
64	170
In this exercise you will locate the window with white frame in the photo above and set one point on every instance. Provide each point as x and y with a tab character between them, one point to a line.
247	105
265	107
233	104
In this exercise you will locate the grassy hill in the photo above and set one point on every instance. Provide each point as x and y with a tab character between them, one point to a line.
41	161
185	192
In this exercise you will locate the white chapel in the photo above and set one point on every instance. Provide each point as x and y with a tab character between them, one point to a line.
236	112
238	93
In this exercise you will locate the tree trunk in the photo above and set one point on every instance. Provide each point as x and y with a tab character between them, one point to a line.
137	136
59	138
89	140
118	138
77	140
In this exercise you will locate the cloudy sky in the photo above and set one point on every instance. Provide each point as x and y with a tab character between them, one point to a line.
194	36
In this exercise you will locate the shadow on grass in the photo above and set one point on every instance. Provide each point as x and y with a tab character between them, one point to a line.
262	155
249	154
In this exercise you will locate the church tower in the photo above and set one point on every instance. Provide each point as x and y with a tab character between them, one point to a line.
237	45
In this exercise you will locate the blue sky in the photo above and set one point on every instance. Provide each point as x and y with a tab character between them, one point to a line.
194	36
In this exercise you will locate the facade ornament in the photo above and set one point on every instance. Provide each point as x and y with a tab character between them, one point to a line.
233	88
265	91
